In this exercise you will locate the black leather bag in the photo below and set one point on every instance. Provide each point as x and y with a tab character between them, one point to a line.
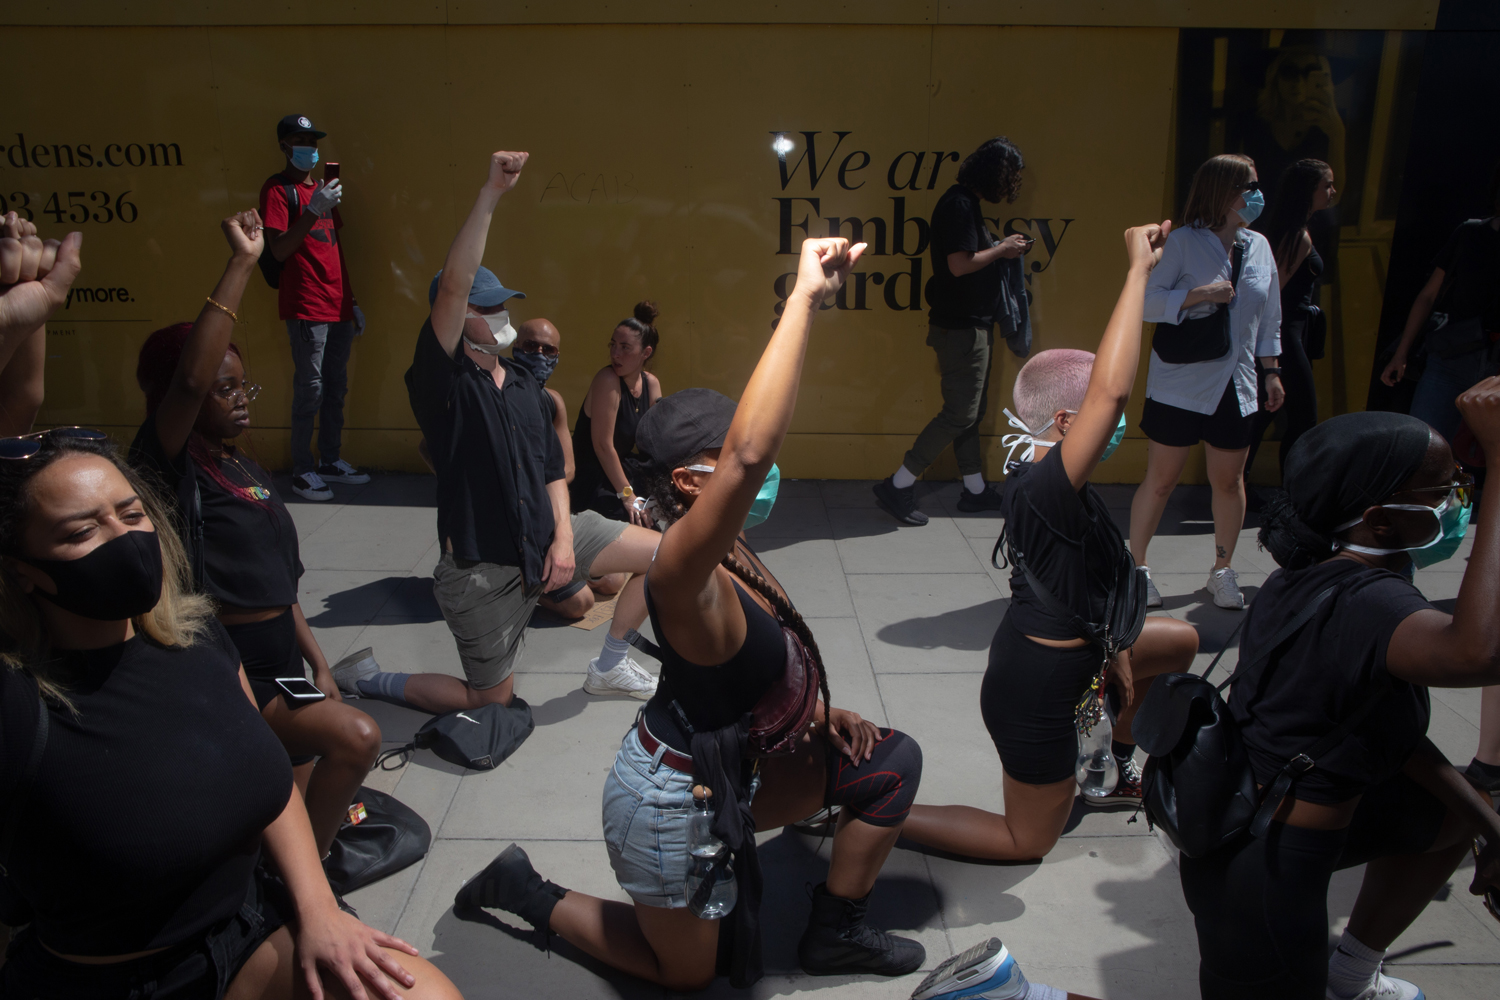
389	836
1315	334
1206	338
479	738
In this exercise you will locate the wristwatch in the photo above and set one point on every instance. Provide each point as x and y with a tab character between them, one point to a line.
626	495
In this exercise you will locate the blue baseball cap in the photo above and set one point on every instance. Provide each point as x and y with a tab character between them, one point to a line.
486	290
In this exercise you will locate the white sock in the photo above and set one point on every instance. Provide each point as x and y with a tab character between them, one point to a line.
974	483
901	479
1036	991
613	653
1353	966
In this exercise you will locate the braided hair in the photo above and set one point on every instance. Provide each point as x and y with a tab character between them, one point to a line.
671	507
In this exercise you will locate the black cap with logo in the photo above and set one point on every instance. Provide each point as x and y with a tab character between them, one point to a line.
293	124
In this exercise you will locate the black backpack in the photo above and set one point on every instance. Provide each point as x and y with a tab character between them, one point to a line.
270	267
479	738
1198	785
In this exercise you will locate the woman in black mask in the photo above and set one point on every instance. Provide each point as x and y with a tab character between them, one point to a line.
1368	495
139	783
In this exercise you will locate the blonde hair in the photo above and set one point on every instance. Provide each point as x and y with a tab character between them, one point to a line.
180	617
1215	184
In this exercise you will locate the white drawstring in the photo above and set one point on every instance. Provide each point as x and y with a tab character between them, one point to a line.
1028	437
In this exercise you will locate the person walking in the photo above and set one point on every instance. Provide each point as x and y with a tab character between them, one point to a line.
977	280
1212	401
604	435
1305	189
304	235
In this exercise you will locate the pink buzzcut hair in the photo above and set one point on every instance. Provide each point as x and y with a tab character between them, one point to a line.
1053	380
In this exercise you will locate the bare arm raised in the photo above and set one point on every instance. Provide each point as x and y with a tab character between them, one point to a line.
452	302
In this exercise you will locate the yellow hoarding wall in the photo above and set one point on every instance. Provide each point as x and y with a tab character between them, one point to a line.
652	175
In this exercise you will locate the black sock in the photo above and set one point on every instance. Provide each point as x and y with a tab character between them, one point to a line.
1122	751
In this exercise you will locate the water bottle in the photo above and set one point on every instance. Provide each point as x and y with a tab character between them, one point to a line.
711	888
1097	770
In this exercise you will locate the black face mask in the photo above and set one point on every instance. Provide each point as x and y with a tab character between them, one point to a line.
120	579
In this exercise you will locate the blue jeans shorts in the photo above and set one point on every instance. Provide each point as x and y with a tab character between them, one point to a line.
646	808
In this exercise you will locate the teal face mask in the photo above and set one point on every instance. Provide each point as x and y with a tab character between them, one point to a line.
304	157
1115	439
1453	523
765	499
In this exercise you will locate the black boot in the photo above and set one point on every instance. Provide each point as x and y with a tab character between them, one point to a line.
839	942
510	883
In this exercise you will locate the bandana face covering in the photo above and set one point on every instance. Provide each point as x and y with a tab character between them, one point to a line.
504	333
540	365
117	580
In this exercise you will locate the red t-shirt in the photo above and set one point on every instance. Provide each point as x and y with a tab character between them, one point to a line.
314	281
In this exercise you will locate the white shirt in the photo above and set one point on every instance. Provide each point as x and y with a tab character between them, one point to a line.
1195	257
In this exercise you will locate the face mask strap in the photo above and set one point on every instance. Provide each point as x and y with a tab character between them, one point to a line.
1369	550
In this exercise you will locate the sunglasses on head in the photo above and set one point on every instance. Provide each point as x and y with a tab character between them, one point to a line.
27	445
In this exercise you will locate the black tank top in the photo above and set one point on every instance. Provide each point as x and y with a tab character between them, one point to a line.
716	696
1299	293
590	485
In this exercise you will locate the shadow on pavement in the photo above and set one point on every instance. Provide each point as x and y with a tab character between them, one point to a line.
411	599
965	628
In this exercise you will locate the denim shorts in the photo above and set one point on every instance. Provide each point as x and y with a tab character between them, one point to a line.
646	808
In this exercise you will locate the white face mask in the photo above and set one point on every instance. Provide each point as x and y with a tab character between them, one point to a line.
499	324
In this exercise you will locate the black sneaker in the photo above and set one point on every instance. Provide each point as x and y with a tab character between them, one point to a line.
509	883
838	942
900	504
974	503
342	472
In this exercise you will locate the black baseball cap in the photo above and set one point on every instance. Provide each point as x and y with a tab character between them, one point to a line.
292	124
681	425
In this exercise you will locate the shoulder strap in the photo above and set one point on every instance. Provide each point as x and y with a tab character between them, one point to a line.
1237	256
1287	631
28	779
293	204
1054	607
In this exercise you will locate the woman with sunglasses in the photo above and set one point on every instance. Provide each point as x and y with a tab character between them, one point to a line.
1369	496
1213	401
241	540
138	784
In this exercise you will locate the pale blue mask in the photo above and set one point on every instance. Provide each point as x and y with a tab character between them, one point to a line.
760	510
1255	203
304	157
1115	439
1453	523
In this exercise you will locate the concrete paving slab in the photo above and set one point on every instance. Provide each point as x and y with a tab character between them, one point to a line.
331	597
870	542
793	517
851	681
381	538
308	517
919	622
820	590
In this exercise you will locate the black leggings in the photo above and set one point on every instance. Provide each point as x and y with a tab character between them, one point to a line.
1261	906
880	790
1028	698
1301	406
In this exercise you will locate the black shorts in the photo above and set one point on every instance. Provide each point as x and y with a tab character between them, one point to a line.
1028	698
268	650
200	968
1175	427
1260	906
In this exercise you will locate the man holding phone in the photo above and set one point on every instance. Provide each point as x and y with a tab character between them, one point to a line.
304	237
976	281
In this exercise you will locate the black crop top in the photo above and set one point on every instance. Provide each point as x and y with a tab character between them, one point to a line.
244	552
715	696
143	824
1325	674
1068	540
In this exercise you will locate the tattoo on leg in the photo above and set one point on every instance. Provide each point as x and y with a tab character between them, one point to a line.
1222	553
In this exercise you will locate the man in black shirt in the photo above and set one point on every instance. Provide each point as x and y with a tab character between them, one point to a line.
502	492
976	280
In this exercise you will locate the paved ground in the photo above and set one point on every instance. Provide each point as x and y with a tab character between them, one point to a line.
904	618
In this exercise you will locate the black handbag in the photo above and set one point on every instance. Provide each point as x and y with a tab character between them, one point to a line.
479	738
1206	338
382	836
1198	785
1315	333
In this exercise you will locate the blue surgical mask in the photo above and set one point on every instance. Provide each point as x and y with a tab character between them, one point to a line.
765	499
1452	523
540	365
1255	202
1115	439
304	157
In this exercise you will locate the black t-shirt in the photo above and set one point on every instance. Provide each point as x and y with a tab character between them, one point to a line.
967	300
143	824
495	451
1068	541
1471	264
1325	674
248	555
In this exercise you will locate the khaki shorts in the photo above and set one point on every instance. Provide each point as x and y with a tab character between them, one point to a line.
487	605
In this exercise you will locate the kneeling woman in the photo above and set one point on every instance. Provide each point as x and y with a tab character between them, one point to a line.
242	543
720	617
1072	405
138	782
1367	495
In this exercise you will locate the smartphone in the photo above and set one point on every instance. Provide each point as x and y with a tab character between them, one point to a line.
299	691
330	172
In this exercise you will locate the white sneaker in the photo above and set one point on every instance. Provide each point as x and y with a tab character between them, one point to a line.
984	972
1153	596
1224	587
310	486
357	666
628	678
342	472
1384	988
